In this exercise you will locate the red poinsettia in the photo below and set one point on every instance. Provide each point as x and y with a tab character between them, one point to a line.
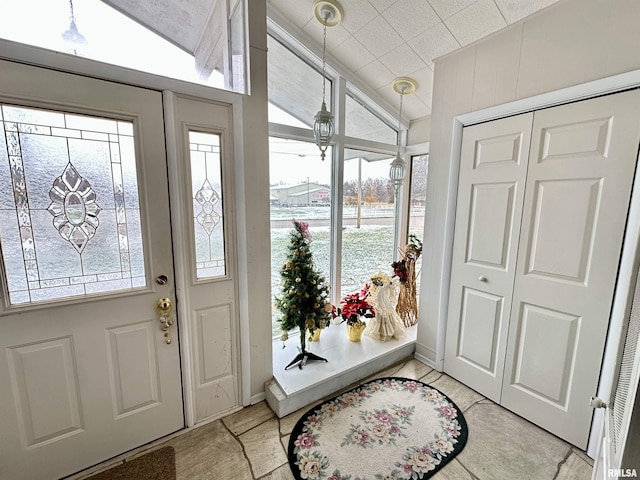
353	306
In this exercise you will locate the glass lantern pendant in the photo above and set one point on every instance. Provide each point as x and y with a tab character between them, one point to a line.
323	129
398	170
329	13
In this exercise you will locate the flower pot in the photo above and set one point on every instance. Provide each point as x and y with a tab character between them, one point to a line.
315	336
354	330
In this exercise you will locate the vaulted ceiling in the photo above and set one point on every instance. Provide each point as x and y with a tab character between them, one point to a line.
377	41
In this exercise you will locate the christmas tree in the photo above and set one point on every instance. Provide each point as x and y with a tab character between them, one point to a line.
304	302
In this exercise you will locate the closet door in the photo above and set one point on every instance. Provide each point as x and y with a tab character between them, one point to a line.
581	169
490	196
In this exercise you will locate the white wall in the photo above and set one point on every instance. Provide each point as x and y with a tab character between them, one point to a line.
254	230
569	43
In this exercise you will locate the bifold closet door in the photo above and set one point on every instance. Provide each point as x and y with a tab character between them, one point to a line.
581	169
493	171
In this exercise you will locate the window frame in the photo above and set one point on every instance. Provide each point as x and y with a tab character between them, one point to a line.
343	84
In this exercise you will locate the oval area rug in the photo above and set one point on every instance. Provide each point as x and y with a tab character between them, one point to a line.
386	429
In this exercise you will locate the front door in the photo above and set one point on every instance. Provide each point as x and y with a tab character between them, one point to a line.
86	370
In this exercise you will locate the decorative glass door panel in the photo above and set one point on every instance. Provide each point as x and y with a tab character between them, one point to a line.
208	224
69	207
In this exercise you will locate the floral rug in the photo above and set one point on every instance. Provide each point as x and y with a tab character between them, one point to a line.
387	429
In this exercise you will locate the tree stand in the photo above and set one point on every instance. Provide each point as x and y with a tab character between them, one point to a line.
303	357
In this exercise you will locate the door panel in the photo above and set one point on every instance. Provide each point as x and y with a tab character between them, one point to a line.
208	274
85	229
581	168
564	217
492	177
479	329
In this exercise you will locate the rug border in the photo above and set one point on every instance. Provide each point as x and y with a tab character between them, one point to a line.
462	440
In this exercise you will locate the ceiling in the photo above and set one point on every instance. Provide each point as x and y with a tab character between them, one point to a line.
377	40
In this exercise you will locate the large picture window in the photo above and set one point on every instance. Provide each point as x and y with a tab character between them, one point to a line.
350	191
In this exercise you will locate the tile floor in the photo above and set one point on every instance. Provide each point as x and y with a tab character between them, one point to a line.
251	444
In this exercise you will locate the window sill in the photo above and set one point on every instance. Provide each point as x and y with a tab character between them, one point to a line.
347	363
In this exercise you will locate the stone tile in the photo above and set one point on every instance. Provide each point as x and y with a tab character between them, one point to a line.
282	473
574	468
431	377
502	445
461	395
248	418
453	471
263	448
285	442
413	369
583	456
209	452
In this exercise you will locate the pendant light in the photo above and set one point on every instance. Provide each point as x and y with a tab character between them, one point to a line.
403	86
72	35
329	13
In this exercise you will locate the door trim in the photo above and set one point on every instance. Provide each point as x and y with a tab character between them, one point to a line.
625	283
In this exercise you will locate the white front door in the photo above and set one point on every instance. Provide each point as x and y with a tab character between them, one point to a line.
86	372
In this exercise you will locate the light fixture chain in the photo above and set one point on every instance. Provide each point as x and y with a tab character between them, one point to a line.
73	17
400	119
324	67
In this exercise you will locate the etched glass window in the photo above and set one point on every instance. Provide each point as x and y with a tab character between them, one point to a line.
206	185
69	209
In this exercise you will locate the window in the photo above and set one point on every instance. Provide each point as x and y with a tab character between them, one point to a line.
118	39
367	218
362	123
69	190
206	191
301	189
417	202
303	186
299	99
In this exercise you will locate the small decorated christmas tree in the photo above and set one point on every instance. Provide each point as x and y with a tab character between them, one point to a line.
304	302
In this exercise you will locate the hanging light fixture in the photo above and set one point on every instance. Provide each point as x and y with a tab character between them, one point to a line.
329	13
403	86
72	35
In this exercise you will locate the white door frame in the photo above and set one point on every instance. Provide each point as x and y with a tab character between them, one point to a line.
626	280
40	57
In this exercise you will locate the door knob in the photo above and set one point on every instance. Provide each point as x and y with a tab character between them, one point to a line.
164	308
483	279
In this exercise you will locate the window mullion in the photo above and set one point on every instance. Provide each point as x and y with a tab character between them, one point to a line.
340	88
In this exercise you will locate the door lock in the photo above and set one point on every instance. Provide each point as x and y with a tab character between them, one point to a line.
164	308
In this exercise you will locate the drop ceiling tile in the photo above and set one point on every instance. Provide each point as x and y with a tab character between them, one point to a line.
434	43
414	108
410	18
375	74
382	5
335	35
402	60
475	22
299	13
379	37
514	10
357	13
353	54
446	8
424	79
